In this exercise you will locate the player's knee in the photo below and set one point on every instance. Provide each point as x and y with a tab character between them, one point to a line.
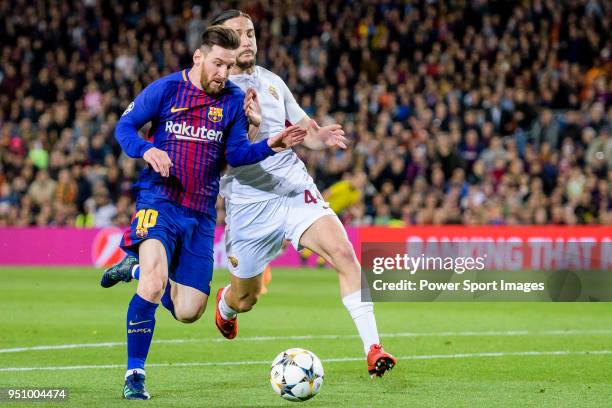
152	287
153	266
188	314
343	251
186	318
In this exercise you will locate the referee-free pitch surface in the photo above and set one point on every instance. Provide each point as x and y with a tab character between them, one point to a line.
59	328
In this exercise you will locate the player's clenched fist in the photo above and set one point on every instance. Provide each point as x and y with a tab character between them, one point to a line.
291	136
159	160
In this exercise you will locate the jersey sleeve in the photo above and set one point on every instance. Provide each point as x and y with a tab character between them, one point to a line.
239	151
143	109
293	112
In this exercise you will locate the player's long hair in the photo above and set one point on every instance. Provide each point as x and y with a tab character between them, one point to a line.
228	15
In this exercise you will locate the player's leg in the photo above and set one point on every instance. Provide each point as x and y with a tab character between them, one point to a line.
238	297
152	237
253	237
191	273
128	269
141	315
242	293
317	228
189	303
326	236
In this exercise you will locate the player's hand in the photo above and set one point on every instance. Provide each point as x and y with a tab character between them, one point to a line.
252	108
159	160
291	136
332	135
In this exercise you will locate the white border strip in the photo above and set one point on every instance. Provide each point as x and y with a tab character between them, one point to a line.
329	360
319	337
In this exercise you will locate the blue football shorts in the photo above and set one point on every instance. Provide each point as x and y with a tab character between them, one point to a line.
186	234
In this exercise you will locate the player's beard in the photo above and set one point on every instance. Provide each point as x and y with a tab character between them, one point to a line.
245	63
214	86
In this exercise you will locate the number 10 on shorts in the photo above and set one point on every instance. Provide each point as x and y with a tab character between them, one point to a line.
146	219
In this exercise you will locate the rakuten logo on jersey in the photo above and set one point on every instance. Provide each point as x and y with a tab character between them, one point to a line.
190	132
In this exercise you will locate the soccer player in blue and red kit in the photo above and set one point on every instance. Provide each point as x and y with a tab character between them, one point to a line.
198	123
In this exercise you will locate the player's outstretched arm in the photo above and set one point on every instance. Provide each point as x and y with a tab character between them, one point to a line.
322	137
318	137
240	152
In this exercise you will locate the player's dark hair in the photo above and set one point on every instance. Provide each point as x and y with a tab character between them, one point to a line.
228	15
221	36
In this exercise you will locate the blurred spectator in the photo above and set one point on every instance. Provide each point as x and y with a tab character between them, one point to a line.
460	112
105	210
42	189
345	193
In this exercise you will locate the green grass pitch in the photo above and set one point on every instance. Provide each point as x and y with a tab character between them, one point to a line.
450	354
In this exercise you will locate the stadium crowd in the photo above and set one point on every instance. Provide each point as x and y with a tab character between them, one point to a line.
458	112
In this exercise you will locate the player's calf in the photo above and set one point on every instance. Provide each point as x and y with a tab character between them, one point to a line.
245	302
243	294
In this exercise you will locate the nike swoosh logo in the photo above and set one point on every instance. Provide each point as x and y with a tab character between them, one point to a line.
135	323
174	110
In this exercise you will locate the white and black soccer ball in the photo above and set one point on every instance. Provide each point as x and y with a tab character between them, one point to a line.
296	374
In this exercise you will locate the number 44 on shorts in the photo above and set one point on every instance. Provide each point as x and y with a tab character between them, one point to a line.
309	198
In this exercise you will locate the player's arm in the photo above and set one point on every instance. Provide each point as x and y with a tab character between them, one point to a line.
240	152
142	110
317	137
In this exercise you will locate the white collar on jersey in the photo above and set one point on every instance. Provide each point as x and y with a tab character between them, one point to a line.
250	80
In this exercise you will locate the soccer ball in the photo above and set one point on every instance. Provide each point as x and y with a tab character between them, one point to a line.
296	374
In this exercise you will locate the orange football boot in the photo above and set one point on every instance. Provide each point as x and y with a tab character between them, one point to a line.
379	361
228	328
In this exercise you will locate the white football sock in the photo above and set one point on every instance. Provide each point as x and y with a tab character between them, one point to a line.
226	312
138	370
135	271
363	316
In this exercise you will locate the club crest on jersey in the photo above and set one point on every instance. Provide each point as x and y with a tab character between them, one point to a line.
215	114
233	260
273	92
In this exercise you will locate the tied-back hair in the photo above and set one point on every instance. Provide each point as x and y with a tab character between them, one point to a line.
221	36
228	15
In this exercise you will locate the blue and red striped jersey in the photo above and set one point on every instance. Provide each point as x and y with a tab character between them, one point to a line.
198	131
